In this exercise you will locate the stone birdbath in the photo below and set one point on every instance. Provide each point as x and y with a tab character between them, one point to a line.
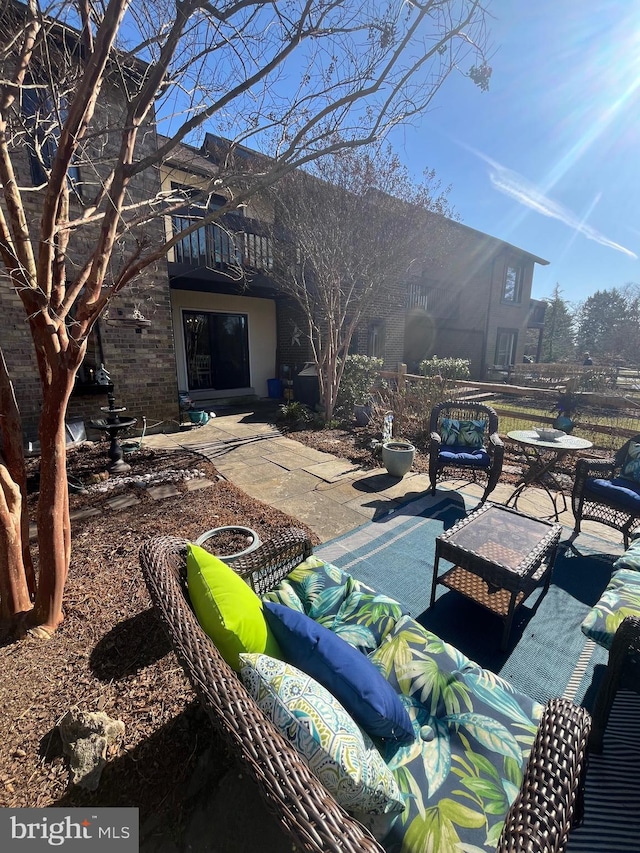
111	425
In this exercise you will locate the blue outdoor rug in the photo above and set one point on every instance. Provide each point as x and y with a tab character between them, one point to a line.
547	656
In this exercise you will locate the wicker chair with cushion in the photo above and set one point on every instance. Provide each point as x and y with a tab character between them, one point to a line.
464	442
623	671
608	490
540	818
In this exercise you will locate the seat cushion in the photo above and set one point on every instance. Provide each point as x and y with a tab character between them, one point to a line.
315	587
465	456
227	608
621	598
476	733
618	492
631	557
366	617
344	671
338	601
342	756
462	433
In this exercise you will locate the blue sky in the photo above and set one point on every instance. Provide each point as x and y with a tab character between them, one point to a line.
549	158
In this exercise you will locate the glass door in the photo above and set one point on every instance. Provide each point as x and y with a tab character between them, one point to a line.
217	350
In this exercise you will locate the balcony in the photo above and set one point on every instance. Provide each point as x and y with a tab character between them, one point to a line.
213	247
439	302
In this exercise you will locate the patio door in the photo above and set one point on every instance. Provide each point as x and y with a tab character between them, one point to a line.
217	350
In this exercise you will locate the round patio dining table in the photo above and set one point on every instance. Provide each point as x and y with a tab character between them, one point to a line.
542	458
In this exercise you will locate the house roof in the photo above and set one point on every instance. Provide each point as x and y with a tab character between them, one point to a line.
189	159
497	242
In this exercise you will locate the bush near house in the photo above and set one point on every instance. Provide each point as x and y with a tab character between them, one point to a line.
361	373
447	368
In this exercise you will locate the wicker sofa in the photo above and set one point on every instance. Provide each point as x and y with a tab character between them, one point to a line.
546	806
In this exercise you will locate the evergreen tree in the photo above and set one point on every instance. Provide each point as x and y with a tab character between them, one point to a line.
558	340
603	323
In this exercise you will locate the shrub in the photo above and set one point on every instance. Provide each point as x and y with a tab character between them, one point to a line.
358	378
448	368
295	412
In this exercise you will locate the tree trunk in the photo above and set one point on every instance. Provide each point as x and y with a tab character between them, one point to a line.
13	452
54	529
15	599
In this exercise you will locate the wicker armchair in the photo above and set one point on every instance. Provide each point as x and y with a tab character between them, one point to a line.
540	819
611	506
623	670
460	461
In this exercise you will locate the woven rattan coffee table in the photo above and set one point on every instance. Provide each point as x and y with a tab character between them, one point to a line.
500	556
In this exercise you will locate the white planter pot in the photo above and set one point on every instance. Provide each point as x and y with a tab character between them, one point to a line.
397	457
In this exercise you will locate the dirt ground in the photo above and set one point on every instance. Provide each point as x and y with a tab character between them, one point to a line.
110	653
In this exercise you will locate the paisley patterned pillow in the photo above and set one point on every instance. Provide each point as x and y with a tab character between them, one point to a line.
340	754
631	466
462	433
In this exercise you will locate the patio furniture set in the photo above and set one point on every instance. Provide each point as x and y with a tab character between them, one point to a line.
287	697
527	780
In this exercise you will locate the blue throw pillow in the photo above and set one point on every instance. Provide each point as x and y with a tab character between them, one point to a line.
344	671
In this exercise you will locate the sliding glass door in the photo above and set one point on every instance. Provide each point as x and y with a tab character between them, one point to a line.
217	350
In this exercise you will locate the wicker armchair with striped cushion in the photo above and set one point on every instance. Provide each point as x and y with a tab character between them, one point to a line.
540	818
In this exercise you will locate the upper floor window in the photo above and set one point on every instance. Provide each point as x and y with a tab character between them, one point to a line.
44	119
512	285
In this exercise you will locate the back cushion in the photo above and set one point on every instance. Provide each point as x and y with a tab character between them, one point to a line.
462	433
631	465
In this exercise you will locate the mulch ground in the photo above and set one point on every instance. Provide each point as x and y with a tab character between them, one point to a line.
110	654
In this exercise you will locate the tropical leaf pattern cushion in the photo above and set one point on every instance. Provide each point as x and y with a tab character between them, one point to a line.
339	602
341	755
315	588
631	466
366	617
474	733
462	433
631	557
621	598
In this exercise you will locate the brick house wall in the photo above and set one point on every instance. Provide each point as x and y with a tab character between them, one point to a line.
141	361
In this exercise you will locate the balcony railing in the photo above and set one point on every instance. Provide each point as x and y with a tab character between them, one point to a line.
214	247
439	302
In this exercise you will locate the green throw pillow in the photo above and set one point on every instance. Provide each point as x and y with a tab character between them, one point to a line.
462	433
227	608
340	754
631	466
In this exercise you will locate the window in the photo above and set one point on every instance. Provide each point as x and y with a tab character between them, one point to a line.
375	342
506	344
43	121
512	287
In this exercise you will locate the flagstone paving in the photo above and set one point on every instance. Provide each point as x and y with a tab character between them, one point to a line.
329	494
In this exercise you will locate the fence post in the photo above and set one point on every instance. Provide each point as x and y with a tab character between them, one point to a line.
402	372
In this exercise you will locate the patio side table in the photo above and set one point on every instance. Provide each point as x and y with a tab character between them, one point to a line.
542	458
499	557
